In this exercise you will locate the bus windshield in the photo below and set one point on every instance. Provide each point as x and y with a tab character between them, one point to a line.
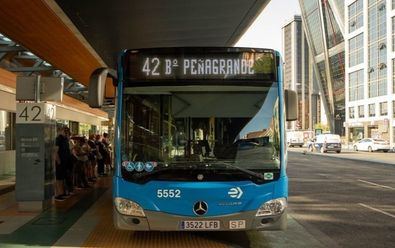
200	132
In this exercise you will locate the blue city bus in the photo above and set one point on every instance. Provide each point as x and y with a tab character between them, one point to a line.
199	140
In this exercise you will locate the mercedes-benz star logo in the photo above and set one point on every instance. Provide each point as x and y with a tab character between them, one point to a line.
200	208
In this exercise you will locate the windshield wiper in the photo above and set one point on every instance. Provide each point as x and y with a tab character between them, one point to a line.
246	171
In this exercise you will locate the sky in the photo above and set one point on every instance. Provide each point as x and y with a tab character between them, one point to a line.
266	31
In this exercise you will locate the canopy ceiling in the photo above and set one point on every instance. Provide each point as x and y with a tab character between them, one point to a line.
111	26
79	36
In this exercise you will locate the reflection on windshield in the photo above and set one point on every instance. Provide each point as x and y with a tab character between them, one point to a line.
201	128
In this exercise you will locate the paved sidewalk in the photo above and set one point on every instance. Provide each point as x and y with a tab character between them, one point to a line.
376	157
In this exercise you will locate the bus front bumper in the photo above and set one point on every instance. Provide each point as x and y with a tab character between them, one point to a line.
159	221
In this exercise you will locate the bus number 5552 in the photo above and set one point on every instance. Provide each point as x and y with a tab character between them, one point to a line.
168	193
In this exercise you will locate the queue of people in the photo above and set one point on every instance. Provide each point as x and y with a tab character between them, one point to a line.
78	162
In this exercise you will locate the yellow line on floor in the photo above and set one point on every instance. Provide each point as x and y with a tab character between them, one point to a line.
105	235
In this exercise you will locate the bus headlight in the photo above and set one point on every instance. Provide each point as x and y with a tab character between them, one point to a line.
127	207
272	207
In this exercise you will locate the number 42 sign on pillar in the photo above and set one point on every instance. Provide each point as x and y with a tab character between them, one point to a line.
30	113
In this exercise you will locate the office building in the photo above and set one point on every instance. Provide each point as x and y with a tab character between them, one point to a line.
324	27
299	76
370	64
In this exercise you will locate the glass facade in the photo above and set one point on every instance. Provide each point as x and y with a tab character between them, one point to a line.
361	111
393	34
7	144
371	29
372	110
312	13
299	56
322	73
393	76
356	134
355	15
324	20
287	31
337	78
7	131
383	108
351	112
332	30
310	113
84	129
297	70
356	50
355	85
340	7
377	73
393	109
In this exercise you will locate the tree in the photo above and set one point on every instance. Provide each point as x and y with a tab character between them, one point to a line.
324	127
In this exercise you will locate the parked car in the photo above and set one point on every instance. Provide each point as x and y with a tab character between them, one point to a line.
295	138
325	142
371	145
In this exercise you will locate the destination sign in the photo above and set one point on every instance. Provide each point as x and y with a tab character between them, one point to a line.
174	64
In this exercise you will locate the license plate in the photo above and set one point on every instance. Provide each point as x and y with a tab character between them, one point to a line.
200	224
237	224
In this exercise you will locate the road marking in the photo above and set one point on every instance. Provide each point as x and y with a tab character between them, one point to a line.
375	184
377	210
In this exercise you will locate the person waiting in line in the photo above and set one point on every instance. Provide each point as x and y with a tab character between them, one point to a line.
100	157
81	155
70	165
87	164
92	158
62	158
107	152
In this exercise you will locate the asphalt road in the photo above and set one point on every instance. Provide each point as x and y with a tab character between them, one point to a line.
334	202
342	202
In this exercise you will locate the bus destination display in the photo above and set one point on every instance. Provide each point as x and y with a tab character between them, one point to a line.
173	65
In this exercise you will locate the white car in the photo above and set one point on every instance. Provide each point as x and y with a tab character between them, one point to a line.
371	145
325	143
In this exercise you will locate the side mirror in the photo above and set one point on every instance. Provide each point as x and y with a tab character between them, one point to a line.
97	83
291	105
